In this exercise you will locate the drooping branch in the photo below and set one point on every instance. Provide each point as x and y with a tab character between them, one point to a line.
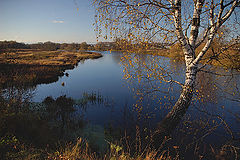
229	13
216	26
142	16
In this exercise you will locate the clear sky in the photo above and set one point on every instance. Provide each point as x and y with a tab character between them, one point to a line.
33	21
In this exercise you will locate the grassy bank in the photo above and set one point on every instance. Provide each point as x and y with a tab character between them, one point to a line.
223	55
31	67
50	58
216	56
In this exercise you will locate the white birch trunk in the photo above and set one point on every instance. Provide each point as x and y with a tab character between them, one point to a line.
179	109
182	104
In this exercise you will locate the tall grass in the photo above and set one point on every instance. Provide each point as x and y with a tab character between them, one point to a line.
81	151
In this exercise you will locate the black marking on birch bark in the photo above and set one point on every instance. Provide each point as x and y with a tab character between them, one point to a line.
189	78
178	4
196	21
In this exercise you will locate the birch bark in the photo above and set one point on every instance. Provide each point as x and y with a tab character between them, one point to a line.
171	120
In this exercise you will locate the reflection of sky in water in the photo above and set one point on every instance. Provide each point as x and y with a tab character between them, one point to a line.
105	76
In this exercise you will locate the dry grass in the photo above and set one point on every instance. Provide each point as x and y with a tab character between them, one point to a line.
227	58
34	67
52	58
81	151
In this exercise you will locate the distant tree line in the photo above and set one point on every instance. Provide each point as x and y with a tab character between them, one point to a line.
126	45
47	46
12	45
117	44
120	44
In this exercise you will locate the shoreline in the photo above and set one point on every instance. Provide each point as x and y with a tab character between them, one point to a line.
223	61
46	58
27	69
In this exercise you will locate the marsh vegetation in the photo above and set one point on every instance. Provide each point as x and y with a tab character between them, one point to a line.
100	112
142	106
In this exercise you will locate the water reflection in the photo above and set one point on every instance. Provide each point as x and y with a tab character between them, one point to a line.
124	97
206	121
48	123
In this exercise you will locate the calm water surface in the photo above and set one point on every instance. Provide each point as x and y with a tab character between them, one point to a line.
123	107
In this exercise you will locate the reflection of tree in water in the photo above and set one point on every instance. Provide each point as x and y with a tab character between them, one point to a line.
61	108
209	124
229	85
116	56
148	78
206	91
203	124
17	97
40	124
66	110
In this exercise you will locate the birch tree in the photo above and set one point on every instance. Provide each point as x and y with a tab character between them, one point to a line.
191	23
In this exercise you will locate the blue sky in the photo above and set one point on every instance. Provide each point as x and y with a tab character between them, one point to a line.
33	21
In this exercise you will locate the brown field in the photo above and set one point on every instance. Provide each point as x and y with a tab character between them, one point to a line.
53	58
29	68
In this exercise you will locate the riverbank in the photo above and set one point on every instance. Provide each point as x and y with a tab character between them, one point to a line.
27	68
228	59
50	58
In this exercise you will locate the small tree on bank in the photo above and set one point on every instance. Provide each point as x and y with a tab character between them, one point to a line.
141	21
